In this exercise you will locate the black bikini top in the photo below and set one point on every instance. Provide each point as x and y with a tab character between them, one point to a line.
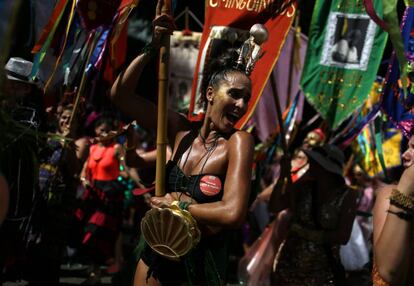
203	187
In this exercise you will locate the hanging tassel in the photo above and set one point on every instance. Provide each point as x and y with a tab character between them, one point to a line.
297	44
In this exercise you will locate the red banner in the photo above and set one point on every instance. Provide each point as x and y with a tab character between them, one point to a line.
227	23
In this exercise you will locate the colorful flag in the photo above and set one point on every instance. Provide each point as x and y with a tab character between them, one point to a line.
400	109
342	59
227	23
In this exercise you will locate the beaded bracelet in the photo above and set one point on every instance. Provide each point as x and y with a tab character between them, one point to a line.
402	215
183	205
402	201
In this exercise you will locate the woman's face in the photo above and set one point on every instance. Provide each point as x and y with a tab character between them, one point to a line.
228	102
299	160
64	120
408	155
102	129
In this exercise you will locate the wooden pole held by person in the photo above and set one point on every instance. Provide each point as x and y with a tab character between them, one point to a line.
163	74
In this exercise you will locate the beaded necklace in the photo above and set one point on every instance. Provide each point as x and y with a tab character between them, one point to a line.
206	155
205	143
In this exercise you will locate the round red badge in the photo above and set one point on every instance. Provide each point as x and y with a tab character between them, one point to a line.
210	185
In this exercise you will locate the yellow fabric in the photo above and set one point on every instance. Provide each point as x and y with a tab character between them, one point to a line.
391	152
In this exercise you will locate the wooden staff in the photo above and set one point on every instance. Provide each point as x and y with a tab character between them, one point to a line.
163	74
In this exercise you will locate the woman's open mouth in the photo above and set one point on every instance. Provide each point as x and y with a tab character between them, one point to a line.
232	117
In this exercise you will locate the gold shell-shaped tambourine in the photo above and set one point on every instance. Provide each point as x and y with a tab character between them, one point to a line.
170	231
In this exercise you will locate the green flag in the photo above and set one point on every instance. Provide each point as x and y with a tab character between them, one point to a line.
344	51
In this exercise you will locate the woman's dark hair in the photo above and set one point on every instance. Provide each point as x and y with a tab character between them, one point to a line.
63	108
218	69
106	118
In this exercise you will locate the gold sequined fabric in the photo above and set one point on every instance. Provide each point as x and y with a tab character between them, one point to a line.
377	279
301	261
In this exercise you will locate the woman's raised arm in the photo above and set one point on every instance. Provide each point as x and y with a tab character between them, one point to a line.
123	89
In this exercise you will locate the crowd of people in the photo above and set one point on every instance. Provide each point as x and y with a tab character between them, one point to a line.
70	193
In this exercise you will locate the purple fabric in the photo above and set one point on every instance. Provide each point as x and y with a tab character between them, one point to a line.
265	117
92	118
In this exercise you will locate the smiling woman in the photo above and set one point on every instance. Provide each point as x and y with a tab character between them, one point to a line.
210	169
393	224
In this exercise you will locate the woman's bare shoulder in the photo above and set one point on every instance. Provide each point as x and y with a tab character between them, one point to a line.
242	137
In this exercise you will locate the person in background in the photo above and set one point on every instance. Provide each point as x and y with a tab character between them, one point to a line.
322	212
58	172
393	225
345	50
101	176
314	138
21	121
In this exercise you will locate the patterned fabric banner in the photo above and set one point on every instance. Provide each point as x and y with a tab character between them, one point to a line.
183	58
342	59
227	24
400	109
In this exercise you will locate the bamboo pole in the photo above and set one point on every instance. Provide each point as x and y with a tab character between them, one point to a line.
163	74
